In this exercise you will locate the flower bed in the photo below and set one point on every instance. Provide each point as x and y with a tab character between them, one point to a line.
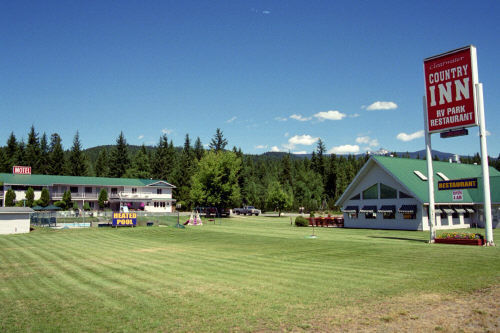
462	238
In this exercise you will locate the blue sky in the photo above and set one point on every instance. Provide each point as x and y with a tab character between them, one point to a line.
273	75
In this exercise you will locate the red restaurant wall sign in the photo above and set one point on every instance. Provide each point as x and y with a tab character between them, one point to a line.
449	89
21	170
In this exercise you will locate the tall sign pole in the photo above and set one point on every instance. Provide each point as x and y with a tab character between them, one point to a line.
485	166
430	177
454	101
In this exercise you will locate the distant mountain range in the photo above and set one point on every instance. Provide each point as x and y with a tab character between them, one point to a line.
93	152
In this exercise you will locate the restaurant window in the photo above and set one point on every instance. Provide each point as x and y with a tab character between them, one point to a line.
73	189
387	192
134	190
158	191
353	215
389	215
409	216
114	190
403	195
371	192
88	189
370	216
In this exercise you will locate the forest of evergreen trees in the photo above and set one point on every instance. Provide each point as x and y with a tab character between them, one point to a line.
213	177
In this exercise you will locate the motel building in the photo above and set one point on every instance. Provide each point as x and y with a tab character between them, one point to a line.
137	194
392	193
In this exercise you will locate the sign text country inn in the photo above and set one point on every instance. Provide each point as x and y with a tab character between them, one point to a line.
449	81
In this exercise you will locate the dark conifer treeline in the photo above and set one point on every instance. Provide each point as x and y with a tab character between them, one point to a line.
313	183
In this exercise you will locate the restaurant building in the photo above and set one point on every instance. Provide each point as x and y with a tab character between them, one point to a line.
392	193
137	194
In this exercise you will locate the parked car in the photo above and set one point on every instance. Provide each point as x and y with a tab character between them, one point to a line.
213	211
247	210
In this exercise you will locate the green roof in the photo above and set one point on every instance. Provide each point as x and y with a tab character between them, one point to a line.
403	170
49	180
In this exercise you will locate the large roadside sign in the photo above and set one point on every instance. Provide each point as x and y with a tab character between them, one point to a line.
449	89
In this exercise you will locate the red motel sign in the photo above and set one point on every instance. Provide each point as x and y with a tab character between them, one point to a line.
449	89
21	170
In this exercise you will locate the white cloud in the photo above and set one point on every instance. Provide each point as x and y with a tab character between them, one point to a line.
287	135
344	149
299	117
231	120
330	115
305	140
275	149
166	131
280	119
488	133
409	137
367	141
261	147
302	152
140	137
266	12
381	106
354	115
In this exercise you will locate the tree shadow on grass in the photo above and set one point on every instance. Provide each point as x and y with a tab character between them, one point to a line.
402	239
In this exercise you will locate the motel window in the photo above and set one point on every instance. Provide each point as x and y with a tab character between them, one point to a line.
371	192
158	191
134	190
387	192
88	189
114	190
91	204
403	195
73	189
454	215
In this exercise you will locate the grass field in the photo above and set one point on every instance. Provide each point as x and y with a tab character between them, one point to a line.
246	274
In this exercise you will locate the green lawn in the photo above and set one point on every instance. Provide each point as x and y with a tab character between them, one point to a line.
245	274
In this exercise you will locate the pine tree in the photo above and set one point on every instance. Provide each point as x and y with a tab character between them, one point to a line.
163	160
11	152
141	166
44	156
32	152
218	142
198	149
21	154
4	162
184	172
56	156
119	160
77	163
102	164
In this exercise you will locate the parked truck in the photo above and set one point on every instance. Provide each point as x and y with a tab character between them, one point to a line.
247	210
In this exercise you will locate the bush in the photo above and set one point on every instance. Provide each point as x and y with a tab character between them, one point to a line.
301	221
86	206
61	204
311	214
